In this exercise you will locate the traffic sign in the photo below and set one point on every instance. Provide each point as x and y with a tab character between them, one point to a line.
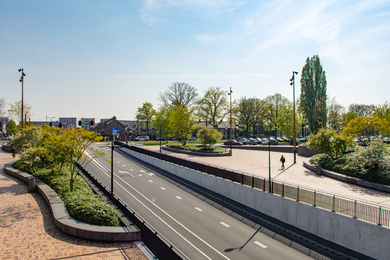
115	130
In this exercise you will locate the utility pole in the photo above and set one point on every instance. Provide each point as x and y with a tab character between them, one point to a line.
22	80
231	145
292	82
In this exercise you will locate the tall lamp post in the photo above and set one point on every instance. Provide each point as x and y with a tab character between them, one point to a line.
292	83
22	80
231	145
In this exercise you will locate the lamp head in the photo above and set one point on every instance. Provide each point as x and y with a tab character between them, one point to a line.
19	70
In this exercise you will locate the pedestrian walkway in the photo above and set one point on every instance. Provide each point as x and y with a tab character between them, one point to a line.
256	162
27	230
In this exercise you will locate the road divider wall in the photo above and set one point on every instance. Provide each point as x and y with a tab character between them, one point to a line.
355	234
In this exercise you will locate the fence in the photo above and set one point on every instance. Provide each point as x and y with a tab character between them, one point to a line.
156	243
368	212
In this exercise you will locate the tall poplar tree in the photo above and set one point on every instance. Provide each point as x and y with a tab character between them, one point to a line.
313	94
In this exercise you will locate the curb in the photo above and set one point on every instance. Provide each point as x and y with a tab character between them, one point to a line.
194	153
348	179
64	222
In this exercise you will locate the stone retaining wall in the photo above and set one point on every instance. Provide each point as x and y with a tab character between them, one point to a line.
64	222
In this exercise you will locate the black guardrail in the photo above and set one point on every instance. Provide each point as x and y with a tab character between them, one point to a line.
157	243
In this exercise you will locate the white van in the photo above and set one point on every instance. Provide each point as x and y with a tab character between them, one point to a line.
142	138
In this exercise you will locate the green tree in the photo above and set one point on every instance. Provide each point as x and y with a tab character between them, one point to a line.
213	106
383	111
245	111
209	136
16	110
329	142
161	121
145	115
179	94
182	123
55	148
11	127
349	116
285	120
313	94
365	126
335	115
273	105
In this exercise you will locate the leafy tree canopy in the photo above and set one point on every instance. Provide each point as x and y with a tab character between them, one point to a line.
313	94
179	94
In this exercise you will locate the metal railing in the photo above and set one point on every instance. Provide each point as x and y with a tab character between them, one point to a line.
354	208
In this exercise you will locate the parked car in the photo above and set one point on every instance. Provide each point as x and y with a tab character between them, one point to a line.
242	140
192	138
233	143
264	141
252	141
292	141
273	141
142	138
258	140
161	139
175	139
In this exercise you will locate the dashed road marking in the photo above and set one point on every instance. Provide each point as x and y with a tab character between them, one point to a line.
150	181
179	198
224	224
162	188
260	244
198	209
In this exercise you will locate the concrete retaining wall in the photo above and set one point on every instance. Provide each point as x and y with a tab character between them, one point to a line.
64	222
358	235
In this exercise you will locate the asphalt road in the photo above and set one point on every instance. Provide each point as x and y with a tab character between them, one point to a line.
193	225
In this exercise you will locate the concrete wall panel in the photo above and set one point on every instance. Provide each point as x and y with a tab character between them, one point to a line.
355	234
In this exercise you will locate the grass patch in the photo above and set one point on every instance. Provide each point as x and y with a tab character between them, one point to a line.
195	147
83	203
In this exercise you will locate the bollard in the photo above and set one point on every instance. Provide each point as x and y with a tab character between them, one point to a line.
318	169
31	184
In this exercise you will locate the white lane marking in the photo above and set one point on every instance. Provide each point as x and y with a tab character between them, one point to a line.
198	209
162	188
224	224
157	216
260	244
131	170
127	173
119	162
142	171
124	165
151	174
150	181
140	174
179	198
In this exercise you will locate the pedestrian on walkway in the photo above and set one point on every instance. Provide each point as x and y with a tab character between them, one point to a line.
282	160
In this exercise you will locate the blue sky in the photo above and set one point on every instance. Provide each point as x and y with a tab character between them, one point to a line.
104	58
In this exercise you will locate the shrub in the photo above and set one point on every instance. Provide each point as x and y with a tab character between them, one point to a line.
370	163
209	136
82	203
329	142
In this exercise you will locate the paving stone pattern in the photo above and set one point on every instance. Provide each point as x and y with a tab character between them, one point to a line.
27	230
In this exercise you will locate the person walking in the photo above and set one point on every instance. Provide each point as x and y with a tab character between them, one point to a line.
282	160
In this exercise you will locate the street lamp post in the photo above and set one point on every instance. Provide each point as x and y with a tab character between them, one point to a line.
292	83
231	145
22	80
269	167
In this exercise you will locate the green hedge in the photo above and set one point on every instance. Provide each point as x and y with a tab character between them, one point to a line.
83	203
